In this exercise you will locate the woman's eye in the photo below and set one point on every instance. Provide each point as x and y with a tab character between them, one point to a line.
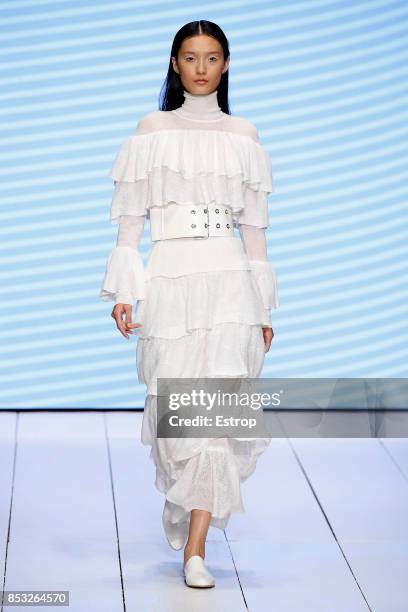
187	59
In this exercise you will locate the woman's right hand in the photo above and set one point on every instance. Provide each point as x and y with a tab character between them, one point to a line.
268	335
124	326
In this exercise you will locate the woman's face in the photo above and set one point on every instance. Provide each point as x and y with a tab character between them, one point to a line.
200	58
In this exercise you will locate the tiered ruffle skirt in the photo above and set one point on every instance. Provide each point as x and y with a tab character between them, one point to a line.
205	324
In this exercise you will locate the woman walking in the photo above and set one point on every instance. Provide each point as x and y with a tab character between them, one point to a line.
204	299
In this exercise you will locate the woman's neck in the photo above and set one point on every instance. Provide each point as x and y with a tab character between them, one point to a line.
200	107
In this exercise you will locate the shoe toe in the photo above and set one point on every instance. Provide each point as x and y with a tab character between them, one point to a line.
196	574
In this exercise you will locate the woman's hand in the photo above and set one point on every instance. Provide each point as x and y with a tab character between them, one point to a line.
268	335
124	326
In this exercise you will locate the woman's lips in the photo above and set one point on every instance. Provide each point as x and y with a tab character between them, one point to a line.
201	82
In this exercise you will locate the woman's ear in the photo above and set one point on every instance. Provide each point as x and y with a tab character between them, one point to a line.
174	62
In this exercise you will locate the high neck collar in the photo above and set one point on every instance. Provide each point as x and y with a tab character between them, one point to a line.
200	107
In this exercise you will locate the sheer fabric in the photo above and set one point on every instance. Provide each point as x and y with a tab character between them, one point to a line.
254	240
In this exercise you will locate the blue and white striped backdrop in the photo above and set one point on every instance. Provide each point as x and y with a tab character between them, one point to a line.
326	84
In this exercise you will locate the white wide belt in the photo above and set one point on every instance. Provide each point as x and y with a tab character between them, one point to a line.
195	220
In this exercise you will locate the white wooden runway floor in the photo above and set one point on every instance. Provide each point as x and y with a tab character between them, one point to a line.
325	528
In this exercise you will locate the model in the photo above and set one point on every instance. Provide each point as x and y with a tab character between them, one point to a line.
205	297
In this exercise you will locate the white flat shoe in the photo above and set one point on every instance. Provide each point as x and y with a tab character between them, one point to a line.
196	574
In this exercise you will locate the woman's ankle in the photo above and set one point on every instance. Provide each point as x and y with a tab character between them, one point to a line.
193	549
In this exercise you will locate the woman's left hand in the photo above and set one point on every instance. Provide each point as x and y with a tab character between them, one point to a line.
268	335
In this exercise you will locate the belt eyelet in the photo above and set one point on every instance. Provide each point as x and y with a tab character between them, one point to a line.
193	225
217	225
205	210
217	210
228	224
226	211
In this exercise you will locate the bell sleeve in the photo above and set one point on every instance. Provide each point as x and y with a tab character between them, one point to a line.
124	280
254	240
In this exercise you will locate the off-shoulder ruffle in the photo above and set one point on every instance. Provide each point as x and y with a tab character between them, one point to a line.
175	307
124	277
193	153
192	166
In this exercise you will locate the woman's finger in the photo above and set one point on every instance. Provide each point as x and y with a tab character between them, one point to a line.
268	335
117	314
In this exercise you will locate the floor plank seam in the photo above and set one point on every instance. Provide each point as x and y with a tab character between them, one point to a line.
114	509
392	458
328	522
236	571
13	474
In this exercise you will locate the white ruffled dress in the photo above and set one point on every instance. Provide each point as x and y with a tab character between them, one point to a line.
202	303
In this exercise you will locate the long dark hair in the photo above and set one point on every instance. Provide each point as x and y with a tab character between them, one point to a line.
171	93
